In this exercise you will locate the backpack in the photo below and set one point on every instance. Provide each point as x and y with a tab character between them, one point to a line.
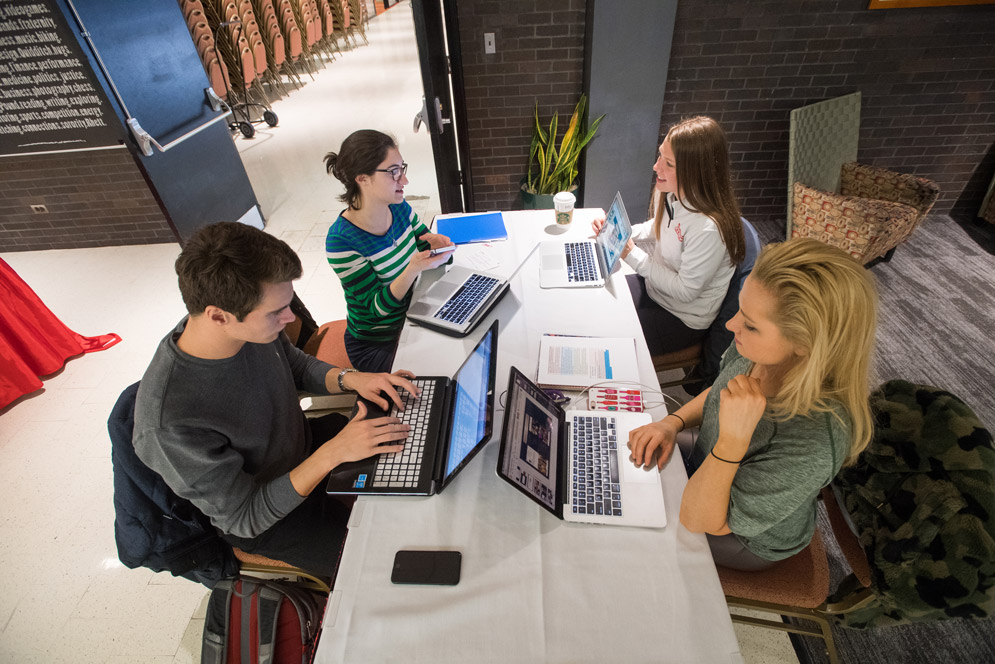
258	621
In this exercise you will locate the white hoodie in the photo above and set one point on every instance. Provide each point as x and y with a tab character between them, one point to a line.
687	271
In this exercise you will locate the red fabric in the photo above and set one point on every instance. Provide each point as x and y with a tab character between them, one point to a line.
33	341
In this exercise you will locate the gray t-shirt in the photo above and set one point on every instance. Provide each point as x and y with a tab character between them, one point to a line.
772	504
225	434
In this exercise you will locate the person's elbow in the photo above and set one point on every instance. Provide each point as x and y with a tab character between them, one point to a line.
699	523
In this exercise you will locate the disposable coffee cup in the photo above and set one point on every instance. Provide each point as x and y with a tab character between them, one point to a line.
563	202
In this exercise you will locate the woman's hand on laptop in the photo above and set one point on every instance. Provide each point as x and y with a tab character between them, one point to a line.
375	386
652	443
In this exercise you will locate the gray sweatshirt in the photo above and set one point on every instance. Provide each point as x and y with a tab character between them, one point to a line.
225	434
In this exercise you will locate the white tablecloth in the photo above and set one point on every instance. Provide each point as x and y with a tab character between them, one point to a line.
533	588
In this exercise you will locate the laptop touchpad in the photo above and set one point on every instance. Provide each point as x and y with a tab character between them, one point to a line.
553	262
632	474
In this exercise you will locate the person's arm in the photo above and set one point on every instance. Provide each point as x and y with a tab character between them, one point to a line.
705	503
201	466
363	291
418	263
654	443
359	439
703	254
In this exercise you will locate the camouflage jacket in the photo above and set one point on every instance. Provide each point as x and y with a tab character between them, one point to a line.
922	498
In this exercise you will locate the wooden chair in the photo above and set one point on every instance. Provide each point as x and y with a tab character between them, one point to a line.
253	563
799	586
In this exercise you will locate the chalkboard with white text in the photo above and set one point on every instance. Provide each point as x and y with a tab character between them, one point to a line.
49	98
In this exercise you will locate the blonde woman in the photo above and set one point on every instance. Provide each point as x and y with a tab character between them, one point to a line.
685	256
788	409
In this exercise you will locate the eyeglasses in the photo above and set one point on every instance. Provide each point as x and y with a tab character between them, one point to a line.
396	172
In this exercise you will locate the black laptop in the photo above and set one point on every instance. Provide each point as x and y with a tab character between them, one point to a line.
450	422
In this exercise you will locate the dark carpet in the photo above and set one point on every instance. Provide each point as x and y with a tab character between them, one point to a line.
936	326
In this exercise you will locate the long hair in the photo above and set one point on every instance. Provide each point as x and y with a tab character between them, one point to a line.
826	304
704	183
361	152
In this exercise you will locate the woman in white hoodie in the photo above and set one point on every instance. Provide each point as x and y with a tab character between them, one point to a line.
686	255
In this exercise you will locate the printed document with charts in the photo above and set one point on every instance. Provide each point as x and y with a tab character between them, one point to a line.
575	363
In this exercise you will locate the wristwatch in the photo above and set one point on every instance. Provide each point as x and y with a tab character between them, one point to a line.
341	376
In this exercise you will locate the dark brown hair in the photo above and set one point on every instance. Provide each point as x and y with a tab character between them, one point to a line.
704	183
360	154
226	265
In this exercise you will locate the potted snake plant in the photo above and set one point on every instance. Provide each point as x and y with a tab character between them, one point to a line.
553	169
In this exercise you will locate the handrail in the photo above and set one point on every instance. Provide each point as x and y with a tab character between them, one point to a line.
146	142
144	139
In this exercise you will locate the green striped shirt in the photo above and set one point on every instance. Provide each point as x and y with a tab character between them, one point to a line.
367	264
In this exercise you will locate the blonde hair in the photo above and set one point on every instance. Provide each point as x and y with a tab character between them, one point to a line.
704	182
826	304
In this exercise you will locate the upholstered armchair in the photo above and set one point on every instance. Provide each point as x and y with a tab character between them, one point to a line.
875	211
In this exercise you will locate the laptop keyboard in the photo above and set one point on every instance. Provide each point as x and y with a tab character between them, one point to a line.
464	301
581	263
595	473
401	469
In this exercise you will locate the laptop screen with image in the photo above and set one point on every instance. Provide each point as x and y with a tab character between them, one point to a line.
474	404
530	443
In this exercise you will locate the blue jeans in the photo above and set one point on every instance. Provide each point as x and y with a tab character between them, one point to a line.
372	356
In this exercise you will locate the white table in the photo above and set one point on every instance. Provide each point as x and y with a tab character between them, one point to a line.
533	588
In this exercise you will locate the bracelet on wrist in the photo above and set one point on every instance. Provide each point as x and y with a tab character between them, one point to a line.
342	374
684	424
724	460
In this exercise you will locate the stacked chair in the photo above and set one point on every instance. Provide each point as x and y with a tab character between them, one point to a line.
244	44
865	211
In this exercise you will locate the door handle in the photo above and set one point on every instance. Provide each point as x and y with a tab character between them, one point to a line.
438	116
421	117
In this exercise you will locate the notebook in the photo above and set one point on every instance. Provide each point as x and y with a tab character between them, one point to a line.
457	302
450	422
575	463
467	228
586	263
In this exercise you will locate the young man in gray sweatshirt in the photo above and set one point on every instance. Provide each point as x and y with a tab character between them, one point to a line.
218	414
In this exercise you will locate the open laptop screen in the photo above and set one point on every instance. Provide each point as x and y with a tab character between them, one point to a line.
473	411
615	233
529	444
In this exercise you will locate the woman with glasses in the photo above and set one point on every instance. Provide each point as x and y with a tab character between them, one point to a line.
377	246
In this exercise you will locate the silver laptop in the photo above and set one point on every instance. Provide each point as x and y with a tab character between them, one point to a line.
586	263
457	302
575	463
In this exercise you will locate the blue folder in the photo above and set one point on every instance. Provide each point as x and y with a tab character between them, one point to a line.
472	228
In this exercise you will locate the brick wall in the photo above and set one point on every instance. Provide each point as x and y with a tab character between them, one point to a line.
94	199
540	56
927	78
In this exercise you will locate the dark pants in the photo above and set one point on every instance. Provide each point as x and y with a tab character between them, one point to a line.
664	332
310	537
372	356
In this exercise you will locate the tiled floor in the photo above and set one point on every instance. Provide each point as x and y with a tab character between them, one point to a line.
65	597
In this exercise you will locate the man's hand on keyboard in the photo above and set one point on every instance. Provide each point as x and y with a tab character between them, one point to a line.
363	438
375	386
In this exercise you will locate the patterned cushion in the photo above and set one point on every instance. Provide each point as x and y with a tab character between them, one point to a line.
871	182
863	227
